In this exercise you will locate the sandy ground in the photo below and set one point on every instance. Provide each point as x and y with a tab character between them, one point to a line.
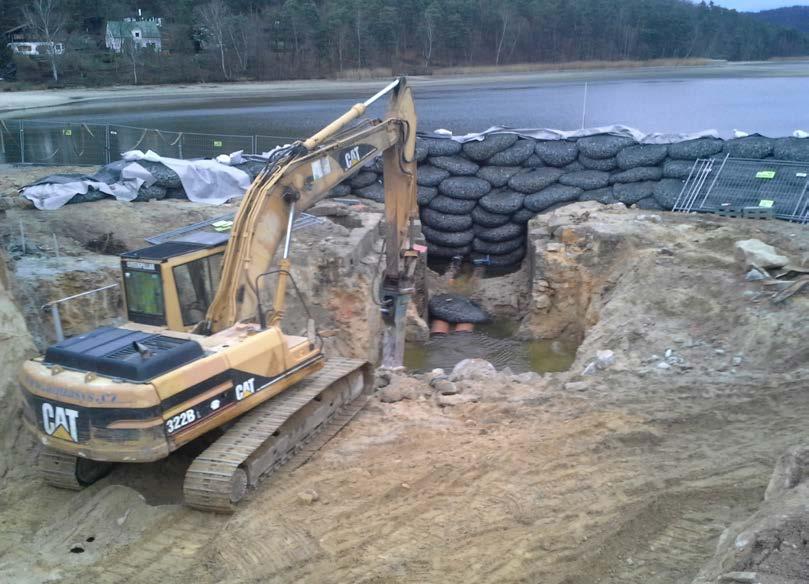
38	99
626	476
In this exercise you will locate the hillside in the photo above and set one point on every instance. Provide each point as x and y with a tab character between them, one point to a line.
795	17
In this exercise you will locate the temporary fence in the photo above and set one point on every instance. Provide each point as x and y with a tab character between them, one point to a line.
751	188
78	143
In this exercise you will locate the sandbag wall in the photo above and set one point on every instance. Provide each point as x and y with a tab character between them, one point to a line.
475	199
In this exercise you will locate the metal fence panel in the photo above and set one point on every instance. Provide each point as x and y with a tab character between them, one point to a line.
212	145
63	143
9	141
125	138
267	143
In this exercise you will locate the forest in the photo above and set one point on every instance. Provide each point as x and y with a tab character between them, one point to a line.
273	39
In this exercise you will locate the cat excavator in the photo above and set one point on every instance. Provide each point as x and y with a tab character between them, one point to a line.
203	352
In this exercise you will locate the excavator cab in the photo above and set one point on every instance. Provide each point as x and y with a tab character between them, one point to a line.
171	284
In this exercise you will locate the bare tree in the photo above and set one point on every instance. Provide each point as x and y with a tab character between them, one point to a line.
132	52
213	19
46	19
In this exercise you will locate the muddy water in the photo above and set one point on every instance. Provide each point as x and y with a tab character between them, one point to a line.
495	343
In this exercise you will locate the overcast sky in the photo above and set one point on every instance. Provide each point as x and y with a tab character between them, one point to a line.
756	5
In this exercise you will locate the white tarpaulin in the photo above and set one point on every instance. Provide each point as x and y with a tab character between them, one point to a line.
551	134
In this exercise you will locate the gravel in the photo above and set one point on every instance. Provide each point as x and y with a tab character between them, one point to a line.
340	190
605	196
497	234
447	238
94	195
454	308
749	147
424	195
666	192
483	217
603	145
792	149
650	204
677	168
498	248
557	152
178	193
693	149
489	146
455	165
451	205
629	193
430	176
421	150
441	146
586	179
605	164
524	216
362	179
504	202
516	154
508	259
464	187
534	180
637	174
164	176
150	193
497	176
374	192
445	221
551	196
441	251
641	155
533	161
574	166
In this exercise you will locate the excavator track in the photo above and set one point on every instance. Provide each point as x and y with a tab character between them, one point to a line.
274	432
70	472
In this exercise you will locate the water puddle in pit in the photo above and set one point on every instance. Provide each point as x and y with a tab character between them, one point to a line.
495	343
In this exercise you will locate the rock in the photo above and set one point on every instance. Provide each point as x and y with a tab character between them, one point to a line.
455	308
663	365
516	154
149	193
739	578
749	147
754	253
551	195
649	204
641	155
391	394
501	260
498	248
382	378
603	145
529	378
164	176
523	216
425	194
638	174
487	219
498	234
557	153
455	165
445	221
362	179
791	149
489	146
446	387
576	385
574	166
456	400
605	164
341	190
650	219
416	329
444	204
504	202
441	147
586	179
308	496
755	275
434	376
428	175
374	192
497	176
604	359
421	150
791	469
447	238
533	161
629	193
604	196
472	369
677	168
534	180
464	187
440	251
667	191
693	149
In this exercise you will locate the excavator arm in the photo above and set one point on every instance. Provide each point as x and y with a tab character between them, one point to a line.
300	177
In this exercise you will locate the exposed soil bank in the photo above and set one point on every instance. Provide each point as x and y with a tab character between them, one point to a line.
627	475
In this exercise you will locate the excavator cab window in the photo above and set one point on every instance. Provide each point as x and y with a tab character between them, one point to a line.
196	283
144	296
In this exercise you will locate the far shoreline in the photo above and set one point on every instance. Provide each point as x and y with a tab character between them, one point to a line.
33	102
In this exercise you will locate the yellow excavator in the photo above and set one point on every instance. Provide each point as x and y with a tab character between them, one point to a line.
203	350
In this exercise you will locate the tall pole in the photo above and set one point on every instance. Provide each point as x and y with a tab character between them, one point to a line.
584	106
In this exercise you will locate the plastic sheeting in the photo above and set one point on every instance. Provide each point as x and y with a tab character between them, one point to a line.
551	134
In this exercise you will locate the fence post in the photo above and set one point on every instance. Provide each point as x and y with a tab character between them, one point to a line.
255	144
107	142
22	144
180	144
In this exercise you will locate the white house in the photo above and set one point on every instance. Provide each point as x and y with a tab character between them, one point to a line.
143	33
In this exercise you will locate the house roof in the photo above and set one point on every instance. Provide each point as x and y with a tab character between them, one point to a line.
122	28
